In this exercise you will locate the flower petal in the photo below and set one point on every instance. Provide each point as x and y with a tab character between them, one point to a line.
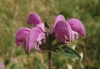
64	29
77	26
58	18
41	26
32	38
41	37
36	46
21	35
39	41
74	35
61	37
34	19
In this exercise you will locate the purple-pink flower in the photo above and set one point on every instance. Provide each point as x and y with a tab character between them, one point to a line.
67	30
31	37
43	39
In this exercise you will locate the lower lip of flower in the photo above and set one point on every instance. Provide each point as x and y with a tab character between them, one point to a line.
61	37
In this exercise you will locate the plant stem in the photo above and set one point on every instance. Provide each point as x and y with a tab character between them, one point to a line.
49	60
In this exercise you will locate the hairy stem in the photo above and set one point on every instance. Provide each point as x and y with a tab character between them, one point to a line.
49	60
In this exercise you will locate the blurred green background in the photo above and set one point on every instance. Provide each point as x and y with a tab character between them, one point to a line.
13	16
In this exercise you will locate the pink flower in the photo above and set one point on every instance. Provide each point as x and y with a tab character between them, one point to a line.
62	31
31	37
14	60
35	38
67	30
1	65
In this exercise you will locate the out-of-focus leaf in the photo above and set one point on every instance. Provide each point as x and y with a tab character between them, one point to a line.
41	66
15	66
67	51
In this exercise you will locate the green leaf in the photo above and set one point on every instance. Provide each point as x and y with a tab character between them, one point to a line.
67	51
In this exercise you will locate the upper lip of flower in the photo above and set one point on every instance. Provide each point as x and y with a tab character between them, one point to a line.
34	19
58	18
77	26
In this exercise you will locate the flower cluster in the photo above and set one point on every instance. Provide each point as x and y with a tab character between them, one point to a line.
62	30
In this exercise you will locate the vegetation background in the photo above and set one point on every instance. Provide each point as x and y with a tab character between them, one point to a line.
13	16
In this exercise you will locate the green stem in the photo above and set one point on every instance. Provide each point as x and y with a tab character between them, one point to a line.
49	60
